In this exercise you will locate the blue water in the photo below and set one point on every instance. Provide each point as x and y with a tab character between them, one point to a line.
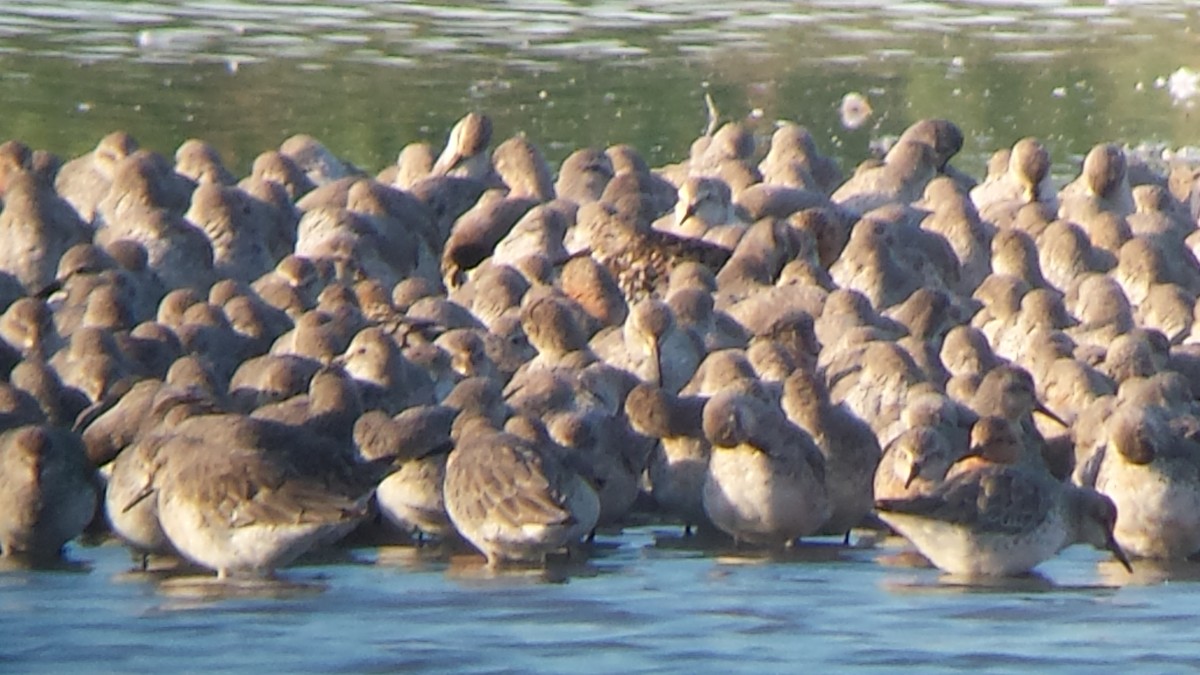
645	601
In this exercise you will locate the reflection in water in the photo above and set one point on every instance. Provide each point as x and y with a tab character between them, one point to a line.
194	591
1149	572
631	606
13	564
1033	582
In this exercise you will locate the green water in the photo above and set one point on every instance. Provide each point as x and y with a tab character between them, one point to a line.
367	78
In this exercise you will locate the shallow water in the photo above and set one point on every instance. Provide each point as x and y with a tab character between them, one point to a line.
368	77
645	601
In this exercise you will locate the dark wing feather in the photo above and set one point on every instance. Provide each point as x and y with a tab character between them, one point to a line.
1002	499
509	479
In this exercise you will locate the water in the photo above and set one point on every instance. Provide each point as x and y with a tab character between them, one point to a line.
646	601
368	77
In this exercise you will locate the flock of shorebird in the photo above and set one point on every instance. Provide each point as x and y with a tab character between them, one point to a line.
746	343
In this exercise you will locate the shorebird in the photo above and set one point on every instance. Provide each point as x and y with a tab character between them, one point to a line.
760	256
998	519
256	323
327	410
1103	185
845	310
829	232
946	139
850	448
143	180
15	157
278	212
722	369
1129	356
269	378
467	350
244	496
678	463
766	477
1000	296
475	234
1141	263
492	293
1041	310
351	244
414	163
874	382
725	154
593	287
59	403
954	217
234	228
272	166
38	227
598	444
539	232
696	313
111	425
1169	308
993	441
512	500
1008	392
465	154
144	207
1024	180
793	160
131	514
1070	386
1064	253
388	380
619	236
47	492
900	179
200	161
631	171
1015	254
652	346
584	175
1107	233
420	437
84	181
315	335
1152	473
520	165
18	408
705	211
1103	310
315	160
551	326
914	463
1158	213
870	264
27	326
927	314
92	362
292	286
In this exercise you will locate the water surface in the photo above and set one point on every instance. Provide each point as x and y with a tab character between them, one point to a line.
367	77
644	602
